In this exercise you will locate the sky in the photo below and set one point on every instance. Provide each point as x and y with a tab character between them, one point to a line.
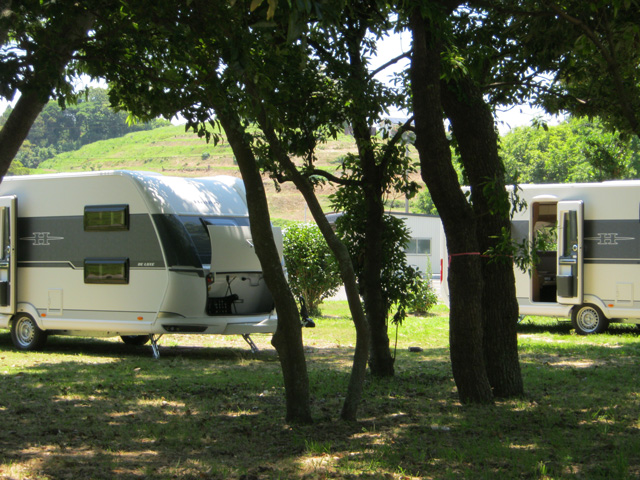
507	118
396	44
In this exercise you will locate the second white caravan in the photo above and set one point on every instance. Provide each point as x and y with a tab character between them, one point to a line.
130	254
592	273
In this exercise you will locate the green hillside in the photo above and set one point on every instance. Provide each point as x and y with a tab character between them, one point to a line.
169	149
172	151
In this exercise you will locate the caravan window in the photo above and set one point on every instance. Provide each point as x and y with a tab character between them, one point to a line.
419	246
195	225
106	218
111	271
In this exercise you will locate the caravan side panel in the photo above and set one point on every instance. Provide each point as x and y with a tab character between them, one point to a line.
58	255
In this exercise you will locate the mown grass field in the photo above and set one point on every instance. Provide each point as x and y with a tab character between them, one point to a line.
210	409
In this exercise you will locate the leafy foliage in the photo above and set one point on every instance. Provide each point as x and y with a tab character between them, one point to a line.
397	277
422	295
578	150
313	271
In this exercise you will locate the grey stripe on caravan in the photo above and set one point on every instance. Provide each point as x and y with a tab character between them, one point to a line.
197	271
67	241
73	267
605	241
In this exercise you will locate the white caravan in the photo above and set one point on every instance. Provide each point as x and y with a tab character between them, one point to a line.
128	254
592	272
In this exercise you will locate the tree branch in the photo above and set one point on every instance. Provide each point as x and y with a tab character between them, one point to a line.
393	61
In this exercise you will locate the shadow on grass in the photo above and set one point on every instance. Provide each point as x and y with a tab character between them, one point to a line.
562	326
87	408
103	410
101	347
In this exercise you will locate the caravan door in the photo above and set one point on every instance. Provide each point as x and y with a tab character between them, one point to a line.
8	255
569	278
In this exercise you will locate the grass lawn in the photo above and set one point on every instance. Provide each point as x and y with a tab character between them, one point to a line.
210	409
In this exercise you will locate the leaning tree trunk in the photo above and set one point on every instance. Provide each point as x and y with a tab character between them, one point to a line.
339	249
359	367
465	279
473	127
17	127
36	92
287	339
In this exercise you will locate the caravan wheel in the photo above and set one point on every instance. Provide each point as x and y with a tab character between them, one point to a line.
588	319
135	339
25	333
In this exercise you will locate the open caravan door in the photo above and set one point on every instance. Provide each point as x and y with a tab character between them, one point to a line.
237	269
569	277
8	255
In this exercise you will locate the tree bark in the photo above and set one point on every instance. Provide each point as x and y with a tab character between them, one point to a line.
287	339
359	367
465	278
381	362
5	11
37	90
380	359
17	127
473	126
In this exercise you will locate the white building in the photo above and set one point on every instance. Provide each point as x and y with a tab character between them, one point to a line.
423	251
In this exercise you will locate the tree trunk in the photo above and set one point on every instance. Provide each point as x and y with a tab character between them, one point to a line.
36	93
359	367
380	359
376	308
465	279
17	127
473	126
5	11
287	339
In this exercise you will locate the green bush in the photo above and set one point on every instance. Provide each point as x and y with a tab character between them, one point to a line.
313	271
422	296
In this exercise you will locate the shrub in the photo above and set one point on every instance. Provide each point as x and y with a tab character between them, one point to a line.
422	296
313	271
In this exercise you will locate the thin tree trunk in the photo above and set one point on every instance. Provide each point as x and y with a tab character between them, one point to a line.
359	367
380	359
287	339
465	280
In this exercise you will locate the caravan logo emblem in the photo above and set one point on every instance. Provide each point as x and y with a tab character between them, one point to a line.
609	238
41	238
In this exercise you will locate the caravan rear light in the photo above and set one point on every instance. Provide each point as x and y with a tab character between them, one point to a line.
210	279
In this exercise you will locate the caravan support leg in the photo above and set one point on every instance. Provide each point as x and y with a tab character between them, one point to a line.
154	345
254	347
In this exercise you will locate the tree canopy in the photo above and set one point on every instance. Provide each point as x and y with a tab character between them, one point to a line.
577	150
